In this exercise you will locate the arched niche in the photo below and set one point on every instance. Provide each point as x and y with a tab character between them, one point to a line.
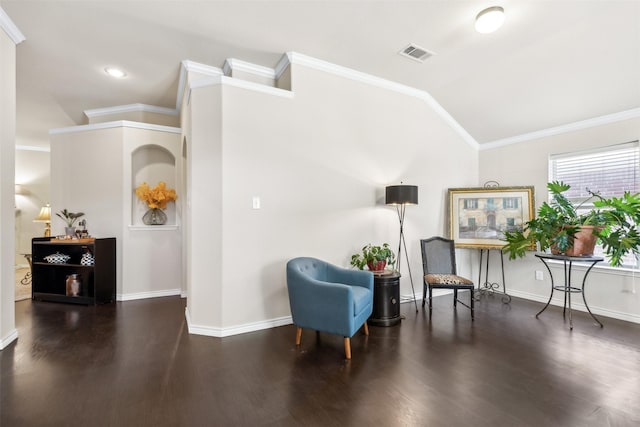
151	164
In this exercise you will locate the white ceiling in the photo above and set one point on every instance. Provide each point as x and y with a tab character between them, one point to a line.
551	64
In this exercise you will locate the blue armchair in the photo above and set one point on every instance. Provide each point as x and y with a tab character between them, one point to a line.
330	299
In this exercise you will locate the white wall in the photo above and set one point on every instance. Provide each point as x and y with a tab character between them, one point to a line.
319	162
32	172
102	186
8	331
615	294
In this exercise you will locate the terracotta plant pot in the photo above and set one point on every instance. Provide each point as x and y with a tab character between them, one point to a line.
583	244
377	265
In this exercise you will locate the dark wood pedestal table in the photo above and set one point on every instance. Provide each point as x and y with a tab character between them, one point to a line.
386	299
567	288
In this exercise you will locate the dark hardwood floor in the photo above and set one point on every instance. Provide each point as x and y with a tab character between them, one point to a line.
134	364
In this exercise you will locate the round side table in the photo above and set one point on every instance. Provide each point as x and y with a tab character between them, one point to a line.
386	300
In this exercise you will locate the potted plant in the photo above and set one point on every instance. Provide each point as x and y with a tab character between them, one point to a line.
559	227
375	258
70	218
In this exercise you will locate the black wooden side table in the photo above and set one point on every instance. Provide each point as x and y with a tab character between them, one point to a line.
386	299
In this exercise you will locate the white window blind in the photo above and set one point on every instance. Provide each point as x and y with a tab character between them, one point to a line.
609	171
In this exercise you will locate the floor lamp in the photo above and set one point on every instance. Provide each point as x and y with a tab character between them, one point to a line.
401	196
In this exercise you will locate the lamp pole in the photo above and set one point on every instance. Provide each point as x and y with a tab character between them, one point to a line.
401	196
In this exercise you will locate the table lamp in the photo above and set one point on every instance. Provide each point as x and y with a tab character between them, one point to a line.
45	216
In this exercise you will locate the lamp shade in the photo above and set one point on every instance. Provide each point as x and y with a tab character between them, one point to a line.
44	215
401	195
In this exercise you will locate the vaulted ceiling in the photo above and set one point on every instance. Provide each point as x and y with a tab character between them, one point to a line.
552	63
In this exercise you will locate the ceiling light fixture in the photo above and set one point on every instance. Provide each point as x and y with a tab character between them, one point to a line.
489	20
115	72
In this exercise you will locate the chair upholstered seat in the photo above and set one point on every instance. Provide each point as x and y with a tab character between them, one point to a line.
327	298
446	279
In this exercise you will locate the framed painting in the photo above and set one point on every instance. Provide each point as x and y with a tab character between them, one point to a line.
478	217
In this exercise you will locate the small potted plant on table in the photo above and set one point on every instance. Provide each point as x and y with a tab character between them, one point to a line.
375	258
70	219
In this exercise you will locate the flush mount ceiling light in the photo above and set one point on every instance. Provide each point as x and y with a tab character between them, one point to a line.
115	72
489	20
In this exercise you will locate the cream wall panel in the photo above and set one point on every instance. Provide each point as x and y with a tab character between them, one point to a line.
609	293
32	172
86	176
91	172
319	163
204	210
8	331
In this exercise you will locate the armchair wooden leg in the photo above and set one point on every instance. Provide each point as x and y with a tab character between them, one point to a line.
298	335
366	328
347	348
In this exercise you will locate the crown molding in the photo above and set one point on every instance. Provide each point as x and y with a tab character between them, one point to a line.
115	124
281	66
570	127
32	148
232	64
10	28
243	84
129	109
191	66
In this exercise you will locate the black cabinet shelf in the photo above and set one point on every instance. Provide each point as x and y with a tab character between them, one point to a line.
98	281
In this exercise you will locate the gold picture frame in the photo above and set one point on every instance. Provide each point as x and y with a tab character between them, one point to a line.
478	216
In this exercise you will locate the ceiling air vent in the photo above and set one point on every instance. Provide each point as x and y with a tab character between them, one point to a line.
416	53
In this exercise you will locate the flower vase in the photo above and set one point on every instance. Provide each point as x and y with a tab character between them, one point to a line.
154	216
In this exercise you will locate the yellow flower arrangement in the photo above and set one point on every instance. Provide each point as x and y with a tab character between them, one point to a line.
156	197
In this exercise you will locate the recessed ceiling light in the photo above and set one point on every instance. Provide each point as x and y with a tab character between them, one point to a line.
489	20
115	72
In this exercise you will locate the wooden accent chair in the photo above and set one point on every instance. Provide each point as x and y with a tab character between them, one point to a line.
439	267
327	298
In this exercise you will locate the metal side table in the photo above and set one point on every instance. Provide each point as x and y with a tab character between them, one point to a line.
567	288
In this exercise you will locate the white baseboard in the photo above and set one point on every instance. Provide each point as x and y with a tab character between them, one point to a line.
4	342
151	294
212	331
559	302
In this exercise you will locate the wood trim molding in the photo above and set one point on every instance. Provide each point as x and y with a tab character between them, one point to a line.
97	112
115	124
212	331
10	28
232	64
150	294
570	127
11	337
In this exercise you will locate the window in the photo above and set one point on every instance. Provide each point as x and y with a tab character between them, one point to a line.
609	171
510	203
471	203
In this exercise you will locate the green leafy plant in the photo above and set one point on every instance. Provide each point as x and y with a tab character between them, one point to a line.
615	221
371	255
69	217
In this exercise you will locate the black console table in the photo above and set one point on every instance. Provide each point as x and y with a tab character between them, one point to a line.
567	288
386	300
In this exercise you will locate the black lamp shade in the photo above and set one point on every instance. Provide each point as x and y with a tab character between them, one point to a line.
401	195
